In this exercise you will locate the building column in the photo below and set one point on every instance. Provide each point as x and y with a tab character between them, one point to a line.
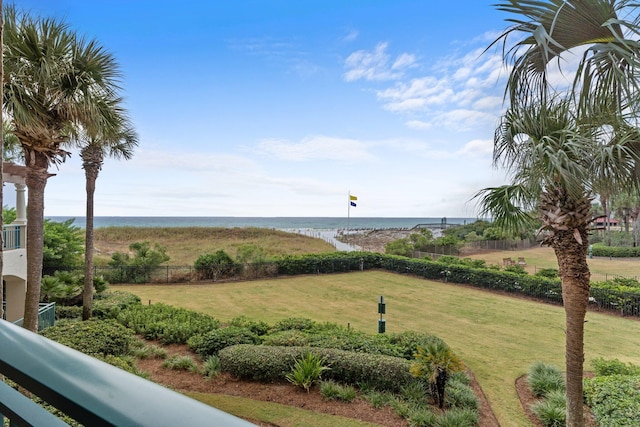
21	207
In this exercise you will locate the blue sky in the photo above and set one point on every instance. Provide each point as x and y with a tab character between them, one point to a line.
281	108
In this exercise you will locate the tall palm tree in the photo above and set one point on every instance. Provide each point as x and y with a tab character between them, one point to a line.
559	142
54	83
117	142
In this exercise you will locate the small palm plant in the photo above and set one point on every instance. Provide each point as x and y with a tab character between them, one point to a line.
434	362
306	371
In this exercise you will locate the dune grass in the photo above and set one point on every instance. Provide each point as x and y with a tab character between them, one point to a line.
497	336
185	244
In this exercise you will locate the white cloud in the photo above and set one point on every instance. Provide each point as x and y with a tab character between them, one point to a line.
482	147
319	147
375	65
351	36
418	124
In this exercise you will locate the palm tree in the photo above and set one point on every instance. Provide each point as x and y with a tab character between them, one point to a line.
118	143
435	362
561	142
2	127
55	83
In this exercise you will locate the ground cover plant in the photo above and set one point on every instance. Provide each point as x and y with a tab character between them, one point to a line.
614	393
498	337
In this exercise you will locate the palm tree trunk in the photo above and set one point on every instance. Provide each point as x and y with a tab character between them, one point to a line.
91	174
575	275
1	170
36	182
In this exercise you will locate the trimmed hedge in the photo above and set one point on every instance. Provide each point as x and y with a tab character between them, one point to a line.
615	251
210	343
92	337
614	399
334	262
270	364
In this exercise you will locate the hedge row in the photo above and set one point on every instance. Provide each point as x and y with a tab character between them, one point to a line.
615	251
271	364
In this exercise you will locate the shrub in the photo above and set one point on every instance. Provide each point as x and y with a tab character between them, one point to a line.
460	395
456	417
258	327
92	337
543	378
139	268
414	392
288	338
149	352
551	273
614	399
211	367
181	363
216	266
210	343
604	367
109	303
552	410
421	417
295	323
516	269
68	312
306	371
168	324
330	390
264	363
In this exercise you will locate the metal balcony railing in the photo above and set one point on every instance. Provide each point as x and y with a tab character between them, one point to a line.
88	390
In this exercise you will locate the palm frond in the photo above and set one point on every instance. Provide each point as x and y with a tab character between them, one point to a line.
509	206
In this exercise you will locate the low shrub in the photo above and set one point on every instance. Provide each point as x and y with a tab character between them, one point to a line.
543	379
295	323
109	303
181	363
415	392
306	371
149	352
258	327
92	337
456	417
265	363
460	395
614	399
421	417
168	324
211	367
551	411
289	338
550	273
68	312
331	390
604	367
210	343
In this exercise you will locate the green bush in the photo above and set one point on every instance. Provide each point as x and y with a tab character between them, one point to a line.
460	395
138	269
306	371
109	303
264	363
551	411
550	273
422	417
216	266
170	325
211	367
457	417
599	249
92	337
210	343
614	399
258	327
181	363
543	379
296	323
331	390
289	338
68	312
604	367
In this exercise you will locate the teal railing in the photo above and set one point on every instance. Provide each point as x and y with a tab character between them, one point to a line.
46	316
13	236
88	390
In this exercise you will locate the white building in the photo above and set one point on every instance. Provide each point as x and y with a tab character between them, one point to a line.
14	270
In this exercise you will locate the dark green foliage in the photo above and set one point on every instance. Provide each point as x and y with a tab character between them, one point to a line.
258	327
181	363
401	247
306	370
168	324
289	338
139	268
9	215
216	266
551	273
614	399
552	410
68	312
456	417
543	379
516	269
63	246
604	367
210	343
334	262
92	337
296	323
460	395
331	390
267	364
600	250
109	303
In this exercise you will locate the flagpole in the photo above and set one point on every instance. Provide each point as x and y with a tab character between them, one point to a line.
348	214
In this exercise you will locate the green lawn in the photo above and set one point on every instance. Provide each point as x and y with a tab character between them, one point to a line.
498	337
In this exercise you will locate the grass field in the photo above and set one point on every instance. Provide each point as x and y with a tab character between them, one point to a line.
498	337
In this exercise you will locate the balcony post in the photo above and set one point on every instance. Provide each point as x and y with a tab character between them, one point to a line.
21	209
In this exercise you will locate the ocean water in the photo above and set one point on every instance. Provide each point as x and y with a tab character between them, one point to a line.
280	223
